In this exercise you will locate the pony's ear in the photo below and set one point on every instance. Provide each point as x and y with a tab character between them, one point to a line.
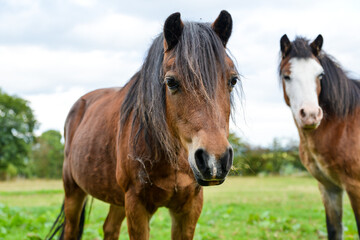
316	45
172	31
223	26
285	45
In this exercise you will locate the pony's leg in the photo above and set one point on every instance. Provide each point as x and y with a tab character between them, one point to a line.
354	196
137	216
184	219
333	198
113	222
73	205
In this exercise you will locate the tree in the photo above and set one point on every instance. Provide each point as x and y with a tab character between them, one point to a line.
240	148
48	155
279	158
17	123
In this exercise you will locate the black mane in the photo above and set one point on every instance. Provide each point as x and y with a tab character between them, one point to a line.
339	94
199	55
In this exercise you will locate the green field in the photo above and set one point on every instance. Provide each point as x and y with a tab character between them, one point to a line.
241	208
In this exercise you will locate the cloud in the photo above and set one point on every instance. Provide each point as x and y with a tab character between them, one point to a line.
86	3
35	70
116	31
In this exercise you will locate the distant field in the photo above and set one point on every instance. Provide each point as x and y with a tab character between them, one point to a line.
241	208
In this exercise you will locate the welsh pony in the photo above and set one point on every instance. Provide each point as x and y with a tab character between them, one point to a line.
325	105
156	141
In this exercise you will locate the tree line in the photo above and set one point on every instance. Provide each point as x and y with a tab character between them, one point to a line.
22	154
280	158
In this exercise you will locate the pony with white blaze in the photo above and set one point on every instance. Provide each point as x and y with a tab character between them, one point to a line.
325	105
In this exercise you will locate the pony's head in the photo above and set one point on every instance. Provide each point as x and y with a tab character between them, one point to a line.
301	74
199	77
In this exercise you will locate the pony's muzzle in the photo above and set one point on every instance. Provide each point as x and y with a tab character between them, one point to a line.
213	170
310	117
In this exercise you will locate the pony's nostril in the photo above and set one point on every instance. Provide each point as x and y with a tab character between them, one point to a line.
201	159
230	160
302	113
226	160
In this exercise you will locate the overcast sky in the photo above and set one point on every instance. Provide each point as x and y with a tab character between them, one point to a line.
52	52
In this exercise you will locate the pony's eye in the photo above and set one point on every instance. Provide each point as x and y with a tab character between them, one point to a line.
286	77
233	80
321	76
172	84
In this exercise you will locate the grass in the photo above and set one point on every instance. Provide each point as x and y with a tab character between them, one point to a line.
241	208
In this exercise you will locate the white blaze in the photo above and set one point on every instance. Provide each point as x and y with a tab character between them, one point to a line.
301	88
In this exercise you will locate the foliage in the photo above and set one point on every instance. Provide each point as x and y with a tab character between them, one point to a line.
279	158
48	155
17	124
15	219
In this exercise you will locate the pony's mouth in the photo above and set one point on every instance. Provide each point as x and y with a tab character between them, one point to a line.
209	182
310	127
206	182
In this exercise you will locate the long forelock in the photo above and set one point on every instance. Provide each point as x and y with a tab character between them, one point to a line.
300	48
199	56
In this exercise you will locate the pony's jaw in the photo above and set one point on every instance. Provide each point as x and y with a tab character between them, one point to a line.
302	92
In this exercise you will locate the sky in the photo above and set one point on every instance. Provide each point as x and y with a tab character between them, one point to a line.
53	52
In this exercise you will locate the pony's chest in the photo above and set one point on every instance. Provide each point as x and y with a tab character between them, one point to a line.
167	190
320	166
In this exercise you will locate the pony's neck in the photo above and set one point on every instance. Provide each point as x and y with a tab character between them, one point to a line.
329	130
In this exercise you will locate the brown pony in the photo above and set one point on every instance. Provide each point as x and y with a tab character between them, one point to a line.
325	104
157	140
